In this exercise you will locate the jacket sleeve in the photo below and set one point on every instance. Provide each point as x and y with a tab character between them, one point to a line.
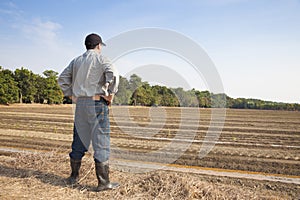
65	80
113	86
111	76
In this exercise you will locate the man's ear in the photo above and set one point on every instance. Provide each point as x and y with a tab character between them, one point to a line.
98	47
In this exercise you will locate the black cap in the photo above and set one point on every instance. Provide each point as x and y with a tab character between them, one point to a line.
92	40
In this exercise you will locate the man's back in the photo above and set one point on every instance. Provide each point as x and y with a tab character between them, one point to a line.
87	74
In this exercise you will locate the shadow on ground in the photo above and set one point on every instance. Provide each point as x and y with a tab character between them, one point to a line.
47	178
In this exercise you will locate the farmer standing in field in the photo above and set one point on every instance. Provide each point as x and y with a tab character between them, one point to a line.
91	81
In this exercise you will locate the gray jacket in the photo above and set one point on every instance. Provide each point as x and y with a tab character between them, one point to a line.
87	74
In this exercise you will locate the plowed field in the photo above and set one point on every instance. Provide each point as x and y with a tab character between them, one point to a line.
255	156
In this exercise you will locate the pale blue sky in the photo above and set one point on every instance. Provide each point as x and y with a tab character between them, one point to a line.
255	44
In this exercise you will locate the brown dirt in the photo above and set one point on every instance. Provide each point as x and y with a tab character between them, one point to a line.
251	140
42	176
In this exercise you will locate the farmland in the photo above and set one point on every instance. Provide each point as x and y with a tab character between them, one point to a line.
257	154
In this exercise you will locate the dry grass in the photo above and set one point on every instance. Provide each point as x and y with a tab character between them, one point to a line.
42	176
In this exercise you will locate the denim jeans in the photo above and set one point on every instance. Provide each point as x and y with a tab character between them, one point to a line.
91	123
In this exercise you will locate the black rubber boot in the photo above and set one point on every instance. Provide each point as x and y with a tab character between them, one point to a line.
75	166
102	173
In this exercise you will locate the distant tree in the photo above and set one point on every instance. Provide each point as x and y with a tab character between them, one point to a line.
218	100
296	106
135	82
142	95
191	99
156	98
52	91
40	85
167	97
124	93
240	103
26	84
204	98
141	91
229	102
9	90
184	97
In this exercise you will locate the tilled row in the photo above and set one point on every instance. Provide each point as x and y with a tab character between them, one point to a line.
229	134
159	152
259	141
264	126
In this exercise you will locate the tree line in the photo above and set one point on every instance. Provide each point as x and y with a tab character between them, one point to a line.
23	86
136	92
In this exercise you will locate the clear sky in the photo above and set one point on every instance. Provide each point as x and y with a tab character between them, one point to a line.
255	44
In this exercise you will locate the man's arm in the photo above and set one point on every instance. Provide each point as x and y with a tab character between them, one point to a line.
65	80
112	81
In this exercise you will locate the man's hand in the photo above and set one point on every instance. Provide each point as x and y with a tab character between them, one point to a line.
105	88
73	98
109	98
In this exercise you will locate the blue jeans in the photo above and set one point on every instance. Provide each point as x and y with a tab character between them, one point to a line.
91	123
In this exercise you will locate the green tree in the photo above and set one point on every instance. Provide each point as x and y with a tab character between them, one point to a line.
141	91
142	95
124	93
186	98
218	100
40	85
8	87
204	98
52	91
167	97
135	82
182	97
26	84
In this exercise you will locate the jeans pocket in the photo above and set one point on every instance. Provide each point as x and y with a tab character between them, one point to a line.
102	112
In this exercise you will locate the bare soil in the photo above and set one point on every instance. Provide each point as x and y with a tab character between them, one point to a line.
251	141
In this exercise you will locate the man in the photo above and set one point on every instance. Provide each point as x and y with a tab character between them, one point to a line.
91	81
